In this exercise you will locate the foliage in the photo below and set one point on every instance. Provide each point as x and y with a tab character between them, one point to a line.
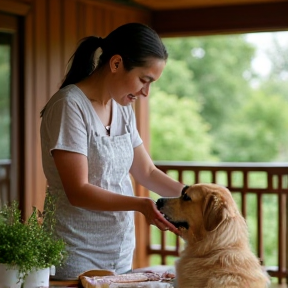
245	122
175	74
5	75
218	65
28	244
277	80
279	59
5	102
177	131
258	127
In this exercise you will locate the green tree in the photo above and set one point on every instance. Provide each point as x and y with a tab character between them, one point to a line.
256	133
221	67
177	79
5	102
279	59
177	130
4	77
277	80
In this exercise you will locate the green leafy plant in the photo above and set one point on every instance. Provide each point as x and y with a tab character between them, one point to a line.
28	245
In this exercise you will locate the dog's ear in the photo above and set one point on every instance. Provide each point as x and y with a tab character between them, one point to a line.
214	211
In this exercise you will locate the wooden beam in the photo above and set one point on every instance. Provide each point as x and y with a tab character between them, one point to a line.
222	20
8	23
184	4
14	7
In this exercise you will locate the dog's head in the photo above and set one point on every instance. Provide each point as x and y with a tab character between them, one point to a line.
200	209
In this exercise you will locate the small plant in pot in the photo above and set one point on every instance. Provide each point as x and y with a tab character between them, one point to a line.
29	246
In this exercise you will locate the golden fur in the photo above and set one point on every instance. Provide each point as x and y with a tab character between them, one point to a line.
217	253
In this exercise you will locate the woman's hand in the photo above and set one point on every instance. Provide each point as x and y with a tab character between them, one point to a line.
154	217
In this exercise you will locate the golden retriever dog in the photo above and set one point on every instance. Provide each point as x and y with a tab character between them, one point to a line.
217	253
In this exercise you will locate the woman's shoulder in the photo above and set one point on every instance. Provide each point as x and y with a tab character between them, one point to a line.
66	99
70	94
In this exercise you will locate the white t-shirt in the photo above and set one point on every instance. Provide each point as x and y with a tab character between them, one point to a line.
69	123
95	239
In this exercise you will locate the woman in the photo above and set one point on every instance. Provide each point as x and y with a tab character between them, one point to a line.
89	129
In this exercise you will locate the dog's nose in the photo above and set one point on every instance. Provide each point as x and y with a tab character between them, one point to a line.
160	203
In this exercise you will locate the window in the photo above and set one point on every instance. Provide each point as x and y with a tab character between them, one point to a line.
11	109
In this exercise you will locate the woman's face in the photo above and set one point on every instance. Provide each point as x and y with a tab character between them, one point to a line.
127	86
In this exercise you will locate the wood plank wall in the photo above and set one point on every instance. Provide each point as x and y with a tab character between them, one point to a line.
52	31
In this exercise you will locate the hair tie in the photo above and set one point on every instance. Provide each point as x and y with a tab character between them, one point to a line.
98	52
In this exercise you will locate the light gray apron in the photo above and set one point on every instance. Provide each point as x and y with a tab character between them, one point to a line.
99	240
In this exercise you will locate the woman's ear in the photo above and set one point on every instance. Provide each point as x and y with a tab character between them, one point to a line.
115	62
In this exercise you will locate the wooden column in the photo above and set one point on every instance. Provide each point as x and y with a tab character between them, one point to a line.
141	258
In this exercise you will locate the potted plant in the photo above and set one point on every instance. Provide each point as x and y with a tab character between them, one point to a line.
28	246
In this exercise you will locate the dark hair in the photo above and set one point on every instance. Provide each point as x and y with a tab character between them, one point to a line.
134	42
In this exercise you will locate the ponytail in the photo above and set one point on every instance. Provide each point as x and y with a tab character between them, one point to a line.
82	60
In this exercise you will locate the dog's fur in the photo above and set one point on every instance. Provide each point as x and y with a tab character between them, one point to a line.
217	253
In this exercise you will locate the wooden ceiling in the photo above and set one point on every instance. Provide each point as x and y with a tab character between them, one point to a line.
207	17
180	4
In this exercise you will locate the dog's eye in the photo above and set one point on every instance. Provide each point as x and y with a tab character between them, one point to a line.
185	197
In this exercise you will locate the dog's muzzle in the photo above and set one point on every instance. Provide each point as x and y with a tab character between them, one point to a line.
160	203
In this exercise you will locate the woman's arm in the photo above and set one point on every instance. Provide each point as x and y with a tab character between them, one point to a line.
73	170
148	175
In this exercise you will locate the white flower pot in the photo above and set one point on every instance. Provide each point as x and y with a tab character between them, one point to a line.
9	277
37	278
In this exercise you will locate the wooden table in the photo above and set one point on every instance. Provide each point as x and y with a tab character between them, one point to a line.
160	268
63	284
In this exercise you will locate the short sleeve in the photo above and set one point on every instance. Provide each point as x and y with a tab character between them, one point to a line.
65	127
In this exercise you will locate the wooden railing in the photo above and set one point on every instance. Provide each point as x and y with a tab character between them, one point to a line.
245	180
5	175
